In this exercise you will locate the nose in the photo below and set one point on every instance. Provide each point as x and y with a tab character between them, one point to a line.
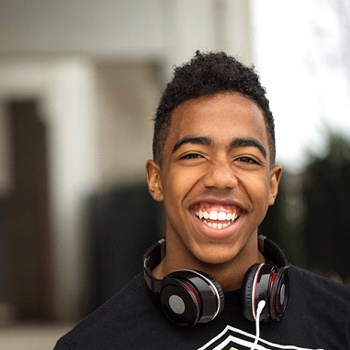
220	176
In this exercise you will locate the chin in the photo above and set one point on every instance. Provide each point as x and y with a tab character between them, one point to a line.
215	259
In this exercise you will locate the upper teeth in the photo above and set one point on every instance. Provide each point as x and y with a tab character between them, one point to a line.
215	215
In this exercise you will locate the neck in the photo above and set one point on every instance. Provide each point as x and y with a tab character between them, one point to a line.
229	274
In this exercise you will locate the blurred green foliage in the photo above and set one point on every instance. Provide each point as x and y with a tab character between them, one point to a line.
311	216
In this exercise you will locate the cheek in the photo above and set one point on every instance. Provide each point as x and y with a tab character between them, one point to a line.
260	197
259	190
178	183
172	188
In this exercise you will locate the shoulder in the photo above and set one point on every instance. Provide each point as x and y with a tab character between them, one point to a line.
317	284
319	303
310	292
117	315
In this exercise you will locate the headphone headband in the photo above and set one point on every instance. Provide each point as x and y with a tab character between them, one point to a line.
274	252
153	256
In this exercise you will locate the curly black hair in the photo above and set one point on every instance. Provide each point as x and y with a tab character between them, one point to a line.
206	74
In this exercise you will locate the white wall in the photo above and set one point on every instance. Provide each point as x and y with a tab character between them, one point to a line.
169	30
128	94
101	28
71	110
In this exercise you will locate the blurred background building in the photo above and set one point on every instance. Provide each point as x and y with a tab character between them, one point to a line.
79	84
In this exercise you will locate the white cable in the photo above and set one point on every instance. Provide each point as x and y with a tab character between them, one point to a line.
259	310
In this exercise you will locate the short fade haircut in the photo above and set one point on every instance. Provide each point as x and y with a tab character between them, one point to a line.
207	74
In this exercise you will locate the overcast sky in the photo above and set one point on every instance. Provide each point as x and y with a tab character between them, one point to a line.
299	56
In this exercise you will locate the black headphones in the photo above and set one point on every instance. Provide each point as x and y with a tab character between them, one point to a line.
188	297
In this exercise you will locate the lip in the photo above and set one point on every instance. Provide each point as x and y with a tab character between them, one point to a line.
215	200
226	205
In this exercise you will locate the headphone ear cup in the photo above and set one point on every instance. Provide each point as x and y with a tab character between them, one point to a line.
256	287
248	291
180	301
188	297
279	294
220	292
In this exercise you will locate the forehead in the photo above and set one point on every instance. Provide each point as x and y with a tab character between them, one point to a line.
221	117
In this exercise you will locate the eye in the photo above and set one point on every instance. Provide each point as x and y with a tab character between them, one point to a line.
247	160
191	156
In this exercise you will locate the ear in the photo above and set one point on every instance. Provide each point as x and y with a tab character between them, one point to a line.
154	180
275	177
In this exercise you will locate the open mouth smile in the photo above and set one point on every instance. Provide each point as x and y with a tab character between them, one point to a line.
217	218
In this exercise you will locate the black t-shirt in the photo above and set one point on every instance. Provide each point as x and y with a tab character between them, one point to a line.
317	317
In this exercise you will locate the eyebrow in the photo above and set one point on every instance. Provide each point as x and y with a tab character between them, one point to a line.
248	142
194	140
235	143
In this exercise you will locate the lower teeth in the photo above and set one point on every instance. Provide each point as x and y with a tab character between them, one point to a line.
217	226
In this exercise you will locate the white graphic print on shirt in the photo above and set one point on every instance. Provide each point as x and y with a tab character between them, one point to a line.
235	339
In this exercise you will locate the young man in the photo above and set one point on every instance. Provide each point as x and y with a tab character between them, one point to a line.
213	283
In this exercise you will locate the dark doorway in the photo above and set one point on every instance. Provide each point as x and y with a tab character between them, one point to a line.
27	214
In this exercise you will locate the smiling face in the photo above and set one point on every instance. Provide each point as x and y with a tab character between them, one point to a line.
216	182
